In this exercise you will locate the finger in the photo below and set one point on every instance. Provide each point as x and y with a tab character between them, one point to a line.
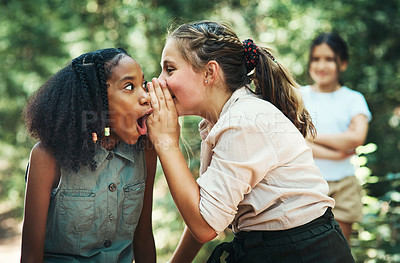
159	93
154	100
169	101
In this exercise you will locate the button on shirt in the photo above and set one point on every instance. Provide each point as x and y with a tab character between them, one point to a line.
257	172
93	214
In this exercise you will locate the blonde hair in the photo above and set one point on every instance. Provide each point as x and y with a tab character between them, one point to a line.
202	41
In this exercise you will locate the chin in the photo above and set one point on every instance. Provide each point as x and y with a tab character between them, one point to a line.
132	141
185	112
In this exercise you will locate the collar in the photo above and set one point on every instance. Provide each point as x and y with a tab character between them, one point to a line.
122	149
205	126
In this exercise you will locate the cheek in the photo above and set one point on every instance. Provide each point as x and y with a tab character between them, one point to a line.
126	119
311	69
176	87
122	116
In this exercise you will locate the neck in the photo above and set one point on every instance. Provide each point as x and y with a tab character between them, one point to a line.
326	88
109	143
218	97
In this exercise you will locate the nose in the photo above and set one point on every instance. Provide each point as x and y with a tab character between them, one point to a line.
145	98
321	64
161	77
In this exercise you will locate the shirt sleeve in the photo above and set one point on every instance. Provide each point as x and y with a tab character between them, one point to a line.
360	106
242	155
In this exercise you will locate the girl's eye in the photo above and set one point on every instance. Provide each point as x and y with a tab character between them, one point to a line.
170	69
144	85
129	86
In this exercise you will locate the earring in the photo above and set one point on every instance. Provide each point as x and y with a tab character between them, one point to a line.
107	131
206	81
94	137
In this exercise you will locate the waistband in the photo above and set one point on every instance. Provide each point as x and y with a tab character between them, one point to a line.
260	238
326	218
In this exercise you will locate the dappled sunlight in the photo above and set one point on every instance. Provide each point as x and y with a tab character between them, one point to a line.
38	38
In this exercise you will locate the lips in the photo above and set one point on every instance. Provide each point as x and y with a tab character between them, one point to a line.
141	122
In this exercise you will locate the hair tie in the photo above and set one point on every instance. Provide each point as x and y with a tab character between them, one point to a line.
250	54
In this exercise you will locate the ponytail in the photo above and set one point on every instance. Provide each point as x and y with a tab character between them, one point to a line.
274	83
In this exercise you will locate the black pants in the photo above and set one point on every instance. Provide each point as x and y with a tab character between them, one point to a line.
318	241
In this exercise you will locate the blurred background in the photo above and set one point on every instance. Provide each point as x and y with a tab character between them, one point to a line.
37	38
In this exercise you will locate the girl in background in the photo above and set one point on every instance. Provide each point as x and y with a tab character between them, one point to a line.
257	174
90	177
341	117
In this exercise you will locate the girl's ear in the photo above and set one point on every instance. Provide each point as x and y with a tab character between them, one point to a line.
212	71
343	66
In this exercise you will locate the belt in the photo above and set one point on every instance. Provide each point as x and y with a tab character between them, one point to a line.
255	238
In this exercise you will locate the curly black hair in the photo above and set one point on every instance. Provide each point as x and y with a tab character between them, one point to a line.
71	105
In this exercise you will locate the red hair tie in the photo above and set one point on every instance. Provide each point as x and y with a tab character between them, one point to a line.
250	54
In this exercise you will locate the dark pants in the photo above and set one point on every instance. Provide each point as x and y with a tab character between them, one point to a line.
318	241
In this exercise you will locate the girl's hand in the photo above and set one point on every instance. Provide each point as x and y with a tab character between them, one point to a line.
163	123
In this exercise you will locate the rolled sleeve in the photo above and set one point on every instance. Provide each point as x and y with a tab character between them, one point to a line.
218	204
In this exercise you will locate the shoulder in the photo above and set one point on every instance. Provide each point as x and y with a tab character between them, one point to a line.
42	162
345	91
40	153
305	89
352	97
252	114
250	105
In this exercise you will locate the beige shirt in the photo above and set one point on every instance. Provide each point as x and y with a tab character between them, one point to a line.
257	172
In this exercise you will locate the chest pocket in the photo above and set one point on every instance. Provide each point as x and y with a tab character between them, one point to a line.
133	202
76	210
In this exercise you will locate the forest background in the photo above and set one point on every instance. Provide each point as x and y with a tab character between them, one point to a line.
37	38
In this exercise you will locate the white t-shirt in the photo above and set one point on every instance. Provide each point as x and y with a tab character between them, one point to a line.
257	171
332	113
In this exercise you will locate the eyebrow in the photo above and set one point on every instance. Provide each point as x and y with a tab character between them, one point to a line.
131	78
165	62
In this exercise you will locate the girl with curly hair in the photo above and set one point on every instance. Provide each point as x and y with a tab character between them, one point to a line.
90	177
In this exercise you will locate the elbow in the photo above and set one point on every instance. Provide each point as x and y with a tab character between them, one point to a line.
204	235
358	142
205	238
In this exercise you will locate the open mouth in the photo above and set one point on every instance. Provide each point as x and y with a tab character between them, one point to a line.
141	122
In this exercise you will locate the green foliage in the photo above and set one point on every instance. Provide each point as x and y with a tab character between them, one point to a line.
37	38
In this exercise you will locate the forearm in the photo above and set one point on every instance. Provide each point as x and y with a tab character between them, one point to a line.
164	133
31	249
185	192
322	152
187	248
344	141
348	140
145	250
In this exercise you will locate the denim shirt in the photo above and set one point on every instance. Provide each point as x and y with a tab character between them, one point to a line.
93	214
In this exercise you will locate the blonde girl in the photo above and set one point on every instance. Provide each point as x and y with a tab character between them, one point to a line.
257	174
